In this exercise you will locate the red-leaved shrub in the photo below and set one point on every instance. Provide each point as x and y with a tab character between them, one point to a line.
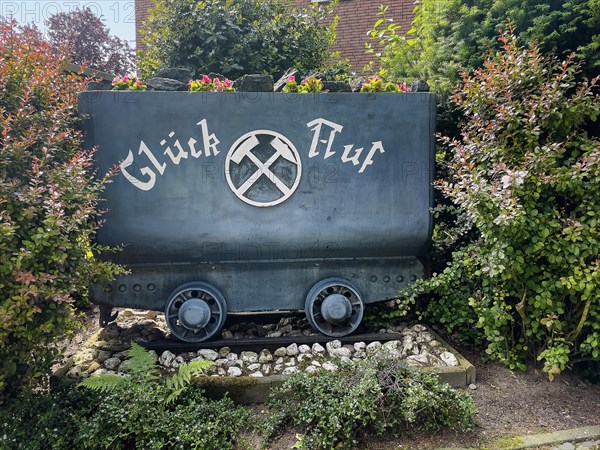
48	206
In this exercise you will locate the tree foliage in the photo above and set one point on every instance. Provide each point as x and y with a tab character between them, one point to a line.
48	205
90	42
449	36
235	37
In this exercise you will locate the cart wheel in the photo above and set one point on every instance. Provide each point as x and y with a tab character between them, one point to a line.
195	311
334	307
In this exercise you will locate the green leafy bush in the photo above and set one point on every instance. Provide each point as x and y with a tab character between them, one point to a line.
377	394
235	37
141	410
48	206
77	418
527	175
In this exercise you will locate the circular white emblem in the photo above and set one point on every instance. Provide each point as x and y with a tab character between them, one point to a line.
263	168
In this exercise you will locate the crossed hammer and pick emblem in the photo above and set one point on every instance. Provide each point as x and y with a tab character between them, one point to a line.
248	152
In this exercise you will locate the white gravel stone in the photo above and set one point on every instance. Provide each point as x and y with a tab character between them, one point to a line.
316	363
409	332
304	349
124	365
360	355
424	337
234	372
177	362
85	356
394	353
317	349
332	346
341	352
113	363
290	370
290	363
265	357
166	359
266	369
235	363
99	372
208	354
292	350
277	368
449	359
253	367
232	357
391	345
435	344
407	344
281	351
418	328
103	355
374	347
224	351
257	374
249	357
311	369
360	346
221	372
417	360
75	372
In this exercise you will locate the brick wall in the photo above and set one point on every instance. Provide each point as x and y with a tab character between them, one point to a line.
141	14
356	19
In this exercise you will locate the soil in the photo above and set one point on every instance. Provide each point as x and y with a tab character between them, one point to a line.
509	403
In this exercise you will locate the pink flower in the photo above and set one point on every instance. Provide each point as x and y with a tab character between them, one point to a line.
227	83
402	86
206	79
115	80
138	82
291	79
125	79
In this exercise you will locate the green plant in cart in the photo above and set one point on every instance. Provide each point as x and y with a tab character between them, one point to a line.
308	85
207	84
128	83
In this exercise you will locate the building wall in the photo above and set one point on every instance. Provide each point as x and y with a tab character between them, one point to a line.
141	14
356	19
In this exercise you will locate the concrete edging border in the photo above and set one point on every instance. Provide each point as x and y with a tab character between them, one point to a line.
246	390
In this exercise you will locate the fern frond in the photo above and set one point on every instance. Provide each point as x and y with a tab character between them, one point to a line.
140	362
173	395
185	373
103	383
